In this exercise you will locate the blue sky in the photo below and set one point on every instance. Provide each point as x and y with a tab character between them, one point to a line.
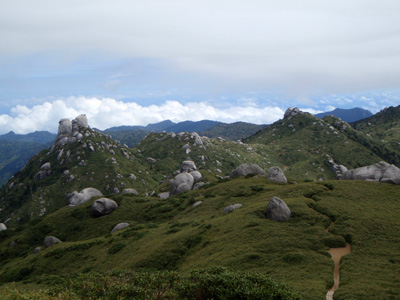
138	62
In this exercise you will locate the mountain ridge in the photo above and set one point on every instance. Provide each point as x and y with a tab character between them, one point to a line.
348	115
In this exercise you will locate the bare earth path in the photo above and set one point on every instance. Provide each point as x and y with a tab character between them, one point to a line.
336	254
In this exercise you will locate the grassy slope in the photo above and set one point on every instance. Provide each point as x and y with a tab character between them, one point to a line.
303	143
30	195
171	234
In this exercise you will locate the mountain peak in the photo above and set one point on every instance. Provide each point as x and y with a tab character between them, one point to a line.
348	115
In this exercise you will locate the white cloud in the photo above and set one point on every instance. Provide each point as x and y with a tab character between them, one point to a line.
107	112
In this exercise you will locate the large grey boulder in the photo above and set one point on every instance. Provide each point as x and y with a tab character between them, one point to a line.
3	227
381	171
246	169
50	241
276	174
196	175
81	121
119	226
188	166
182	182
102	207
85	195
277	210
64	127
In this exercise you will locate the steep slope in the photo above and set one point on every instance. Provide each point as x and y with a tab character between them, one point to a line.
79	159
17	149
307	146
387	151
384	126
347	115
14	155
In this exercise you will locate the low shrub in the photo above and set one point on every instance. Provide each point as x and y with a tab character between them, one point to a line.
116	248
334	242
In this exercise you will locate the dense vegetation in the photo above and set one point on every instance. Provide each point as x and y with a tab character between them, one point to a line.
214	283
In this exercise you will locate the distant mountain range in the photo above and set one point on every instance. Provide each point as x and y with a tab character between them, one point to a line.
348	115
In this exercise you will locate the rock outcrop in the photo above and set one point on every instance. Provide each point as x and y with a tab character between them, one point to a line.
276	174
68	132
85	195
277	210
102	207
291	112
246	169
381	172
50	241
119	226
45	170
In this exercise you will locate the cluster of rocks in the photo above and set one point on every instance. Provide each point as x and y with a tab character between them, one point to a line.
380	172
68	132
45	170
274	173
188	178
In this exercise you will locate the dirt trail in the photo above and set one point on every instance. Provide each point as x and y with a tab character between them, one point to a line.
336	254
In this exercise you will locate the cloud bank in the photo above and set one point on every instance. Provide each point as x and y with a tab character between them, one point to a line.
299	46
107	112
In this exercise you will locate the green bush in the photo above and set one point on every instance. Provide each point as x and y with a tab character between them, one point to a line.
334	242
293	258
219	283
116	248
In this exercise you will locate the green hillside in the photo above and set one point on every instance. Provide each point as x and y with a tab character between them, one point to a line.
108	166
14	155
173	235
383	126
306	147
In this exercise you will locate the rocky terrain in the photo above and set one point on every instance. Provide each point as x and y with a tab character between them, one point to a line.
272	203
